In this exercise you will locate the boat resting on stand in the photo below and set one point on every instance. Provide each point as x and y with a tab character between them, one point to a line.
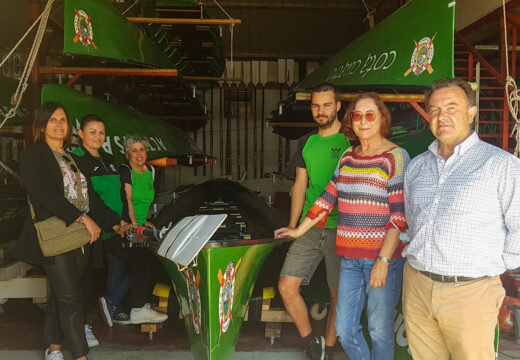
214	285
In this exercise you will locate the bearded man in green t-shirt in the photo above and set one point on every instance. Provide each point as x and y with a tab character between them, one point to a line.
317	157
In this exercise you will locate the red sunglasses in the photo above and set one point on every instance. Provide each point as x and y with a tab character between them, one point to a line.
369	115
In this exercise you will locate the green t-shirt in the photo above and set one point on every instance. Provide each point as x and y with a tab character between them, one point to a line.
104	177
143	191
320	156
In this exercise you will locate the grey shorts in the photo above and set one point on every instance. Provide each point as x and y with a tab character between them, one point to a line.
306	253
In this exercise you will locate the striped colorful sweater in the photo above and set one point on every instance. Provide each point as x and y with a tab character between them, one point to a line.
370	194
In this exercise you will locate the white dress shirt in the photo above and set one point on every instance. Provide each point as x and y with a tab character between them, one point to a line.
463	213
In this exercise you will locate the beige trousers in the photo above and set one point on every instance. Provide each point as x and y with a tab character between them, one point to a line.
450	318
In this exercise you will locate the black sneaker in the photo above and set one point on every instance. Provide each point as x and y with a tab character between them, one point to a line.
106	310
328	355
121	318
315	348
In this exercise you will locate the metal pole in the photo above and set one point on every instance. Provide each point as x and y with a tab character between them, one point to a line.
204	132
262	140
280	143
255	142
211	130
246	133
221	133
236	99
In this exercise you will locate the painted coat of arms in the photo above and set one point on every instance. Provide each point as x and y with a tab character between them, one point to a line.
227	290
83	29
192	283
422	57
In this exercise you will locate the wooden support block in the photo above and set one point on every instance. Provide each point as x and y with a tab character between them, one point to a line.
163	302
266	304
275	315
161	290
161	309
273	330
150	328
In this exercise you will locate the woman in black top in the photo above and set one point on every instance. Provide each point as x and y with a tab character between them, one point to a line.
49	175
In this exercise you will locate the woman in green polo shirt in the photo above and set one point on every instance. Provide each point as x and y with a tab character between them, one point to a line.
137	180
137	194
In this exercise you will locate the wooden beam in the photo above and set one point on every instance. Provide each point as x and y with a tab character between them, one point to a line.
151	20
162	162
107	71
72	81
317	5
514	20
385	97
209	78
420	110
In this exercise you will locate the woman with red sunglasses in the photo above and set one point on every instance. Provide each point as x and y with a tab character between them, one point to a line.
367	186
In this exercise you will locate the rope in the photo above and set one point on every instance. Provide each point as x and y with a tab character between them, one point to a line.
20	41
24	78
513	96
131	6
7	169
370	14
231	29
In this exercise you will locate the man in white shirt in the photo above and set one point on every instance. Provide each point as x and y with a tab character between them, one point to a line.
462	204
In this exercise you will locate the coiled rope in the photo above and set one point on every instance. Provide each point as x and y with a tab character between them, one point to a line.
513	95
16	99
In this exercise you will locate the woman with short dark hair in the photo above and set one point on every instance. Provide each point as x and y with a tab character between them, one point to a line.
50	176
99	167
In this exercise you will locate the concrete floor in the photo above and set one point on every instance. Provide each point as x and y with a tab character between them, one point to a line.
108	353
21	339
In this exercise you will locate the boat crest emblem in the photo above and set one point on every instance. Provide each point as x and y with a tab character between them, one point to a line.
83	29
227	290
422	57
192	283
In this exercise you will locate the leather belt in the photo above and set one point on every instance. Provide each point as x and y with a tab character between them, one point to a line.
449	279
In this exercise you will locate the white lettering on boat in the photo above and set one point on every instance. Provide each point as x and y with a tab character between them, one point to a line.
373	62
107	146
117	141
161	143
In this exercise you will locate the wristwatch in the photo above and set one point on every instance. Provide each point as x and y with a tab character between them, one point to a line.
383	259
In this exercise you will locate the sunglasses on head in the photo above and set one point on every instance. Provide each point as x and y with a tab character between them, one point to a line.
358	115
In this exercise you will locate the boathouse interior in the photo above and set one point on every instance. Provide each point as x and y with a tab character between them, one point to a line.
231	88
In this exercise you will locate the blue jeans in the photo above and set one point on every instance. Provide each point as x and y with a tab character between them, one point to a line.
118	280
354	291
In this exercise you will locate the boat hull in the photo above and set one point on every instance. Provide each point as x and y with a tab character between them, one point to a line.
214	295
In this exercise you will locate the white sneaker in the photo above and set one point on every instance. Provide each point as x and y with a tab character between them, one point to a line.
91	339
54	355
146	315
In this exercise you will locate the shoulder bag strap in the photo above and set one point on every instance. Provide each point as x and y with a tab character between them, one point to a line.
31	208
